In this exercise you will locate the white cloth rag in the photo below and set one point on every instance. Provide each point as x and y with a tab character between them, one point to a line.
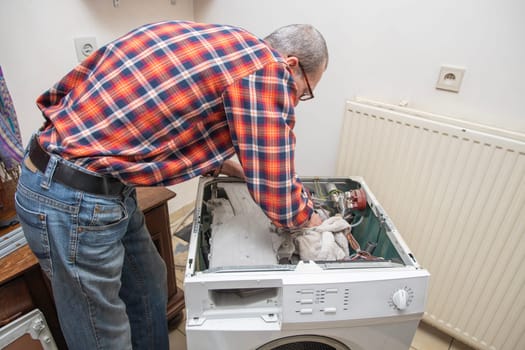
326	242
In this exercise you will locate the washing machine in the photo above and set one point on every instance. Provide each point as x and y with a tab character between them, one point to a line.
248	287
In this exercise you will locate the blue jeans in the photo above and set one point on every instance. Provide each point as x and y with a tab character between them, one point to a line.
108	280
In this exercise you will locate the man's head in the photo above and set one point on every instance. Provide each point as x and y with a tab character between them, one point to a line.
306	53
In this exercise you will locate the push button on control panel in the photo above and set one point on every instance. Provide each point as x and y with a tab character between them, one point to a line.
321	303
330	310
306	311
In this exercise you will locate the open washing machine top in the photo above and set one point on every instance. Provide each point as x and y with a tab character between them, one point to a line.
232	234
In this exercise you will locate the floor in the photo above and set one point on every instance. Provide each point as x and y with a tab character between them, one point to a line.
426	338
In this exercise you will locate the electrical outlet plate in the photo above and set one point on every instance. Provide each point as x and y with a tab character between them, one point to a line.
85	47
450	78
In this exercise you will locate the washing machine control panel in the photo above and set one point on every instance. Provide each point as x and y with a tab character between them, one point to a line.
353	300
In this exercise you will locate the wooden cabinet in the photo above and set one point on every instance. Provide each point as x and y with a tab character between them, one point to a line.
24	287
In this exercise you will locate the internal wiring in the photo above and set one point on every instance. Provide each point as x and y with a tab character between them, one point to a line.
318	190
359	221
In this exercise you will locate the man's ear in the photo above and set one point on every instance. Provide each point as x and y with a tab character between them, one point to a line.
292	61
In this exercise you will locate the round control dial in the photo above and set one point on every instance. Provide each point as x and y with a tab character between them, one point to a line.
401	298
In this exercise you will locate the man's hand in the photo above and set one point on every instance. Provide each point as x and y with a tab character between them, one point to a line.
232	168
315	220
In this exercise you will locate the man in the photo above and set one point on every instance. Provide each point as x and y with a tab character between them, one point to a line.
166	102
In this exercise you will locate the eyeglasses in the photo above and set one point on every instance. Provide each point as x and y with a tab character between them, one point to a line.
308	95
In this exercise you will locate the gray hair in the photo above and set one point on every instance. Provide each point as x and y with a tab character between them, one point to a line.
302	41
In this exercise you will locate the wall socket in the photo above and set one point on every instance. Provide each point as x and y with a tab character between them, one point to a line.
85	47
450	78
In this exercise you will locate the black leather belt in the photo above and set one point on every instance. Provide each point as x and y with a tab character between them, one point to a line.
73	177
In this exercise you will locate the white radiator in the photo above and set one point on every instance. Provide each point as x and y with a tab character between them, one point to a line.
456	192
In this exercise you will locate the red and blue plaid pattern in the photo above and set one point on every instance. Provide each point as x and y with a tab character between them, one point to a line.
170	101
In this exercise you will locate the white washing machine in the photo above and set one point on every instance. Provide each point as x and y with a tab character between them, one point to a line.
247	288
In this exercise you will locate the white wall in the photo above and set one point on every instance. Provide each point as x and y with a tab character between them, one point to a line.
392	50
389	50
37	47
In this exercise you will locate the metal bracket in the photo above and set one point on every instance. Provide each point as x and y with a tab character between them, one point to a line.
32	323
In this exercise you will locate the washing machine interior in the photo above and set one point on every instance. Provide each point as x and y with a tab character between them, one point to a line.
234	234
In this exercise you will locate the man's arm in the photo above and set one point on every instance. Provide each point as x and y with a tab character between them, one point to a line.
260	115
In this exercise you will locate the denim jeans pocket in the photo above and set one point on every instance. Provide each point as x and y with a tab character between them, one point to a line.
34	224
101	220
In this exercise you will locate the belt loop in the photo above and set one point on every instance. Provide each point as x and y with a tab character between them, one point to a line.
50	170
105	186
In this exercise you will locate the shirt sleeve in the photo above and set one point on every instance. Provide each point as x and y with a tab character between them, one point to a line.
260	113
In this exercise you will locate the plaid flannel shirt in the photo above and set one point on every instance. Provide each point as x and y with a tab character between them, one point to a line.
170	101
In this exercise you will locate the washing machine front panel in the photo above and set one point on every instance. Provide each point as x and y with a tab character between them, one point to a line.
301	297
255	334
356	308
